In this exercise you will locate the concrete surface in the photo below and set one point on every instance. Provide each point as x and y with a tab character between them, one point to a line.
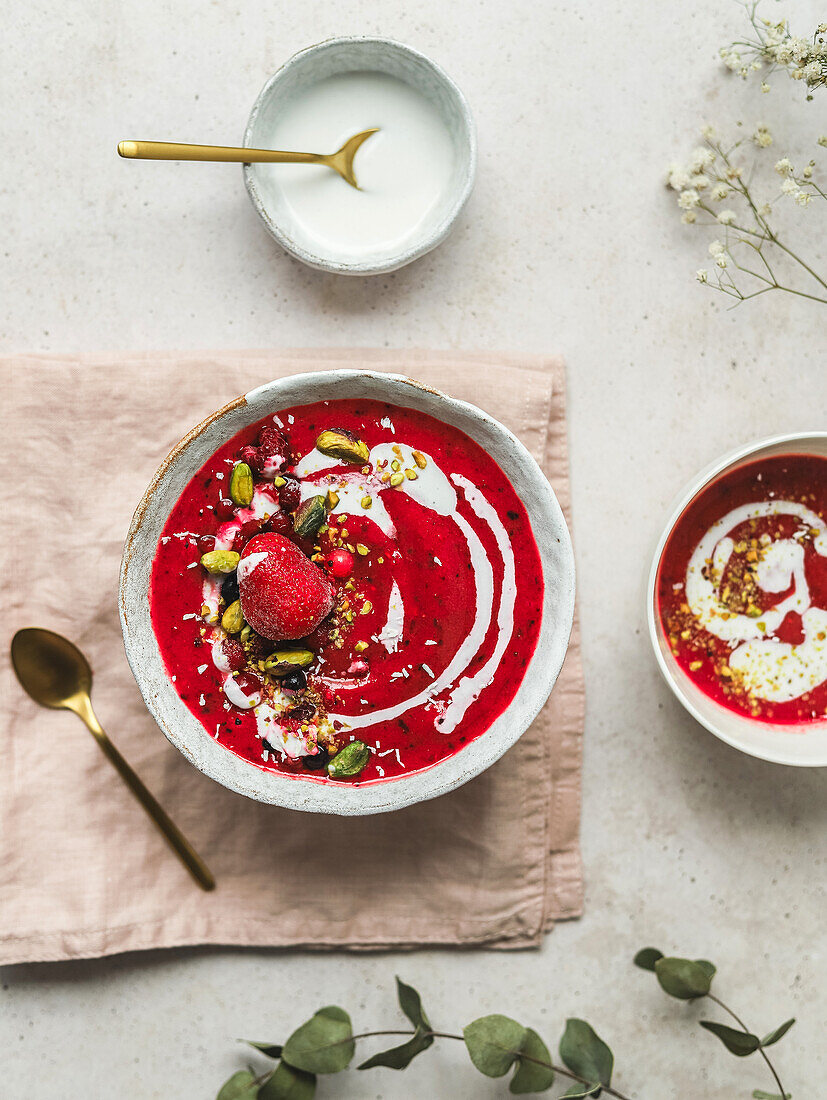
569	244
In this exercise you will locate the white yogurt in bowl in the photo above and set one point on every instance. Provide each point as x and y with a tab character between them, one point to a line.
414	175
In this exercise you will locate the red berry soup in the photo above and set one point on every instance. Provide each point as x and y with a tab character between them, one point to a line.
742	590
347	591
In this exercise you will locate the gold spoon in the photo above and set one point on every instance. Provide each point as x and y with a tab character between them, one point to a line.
341	161
56	674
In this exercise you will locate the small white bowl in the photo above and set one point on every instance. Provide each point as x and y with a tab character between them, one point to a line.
777	743
188	734
360	54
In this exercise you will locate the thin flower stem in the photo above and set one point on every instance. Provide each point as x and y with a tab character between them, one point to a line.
526	1057
741	1024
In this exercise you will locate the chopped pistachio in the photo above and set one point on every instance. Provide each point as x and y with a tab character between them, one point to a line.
367	607
362	549
220	561
241	484
350	762
309	517
411	475
366	502
396	464
339	443
397	479
280	481
420	459
360	647
233	620
331	499
283	660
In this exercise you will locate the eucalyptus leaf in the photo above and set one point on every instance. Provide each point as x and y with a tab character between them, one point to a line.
585	1053
270	1049
709	967
778	1033
683	978
324	1044
411	1004
530	1077
400	1057
287	1083
759	1094
241	1086
581	1090
493	1043
647	957
739	1043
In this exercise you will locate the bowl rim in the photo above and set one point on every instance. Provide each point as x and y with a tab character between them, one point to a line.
414	252
699	482
384	795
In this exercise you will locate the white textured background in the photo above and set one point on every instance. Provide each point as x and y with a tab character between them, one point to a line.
569	244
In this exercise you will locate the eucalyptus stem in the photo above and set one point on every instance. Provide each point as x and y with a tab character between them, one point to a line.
761	1050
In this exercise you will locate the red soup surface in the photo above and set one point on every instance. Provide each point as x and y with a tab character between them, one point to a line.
437	592
742	589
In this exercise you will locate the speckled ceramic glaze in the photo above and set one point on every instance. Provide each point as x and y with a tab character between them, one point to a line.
804	746
355	54
188	734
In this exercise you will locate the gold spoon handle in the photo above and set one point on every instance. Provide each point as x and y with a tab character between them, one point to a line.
169	150
176	839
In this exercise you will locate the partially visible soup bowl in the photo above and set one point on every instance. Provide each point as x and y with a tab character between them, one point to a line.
801	745
188	734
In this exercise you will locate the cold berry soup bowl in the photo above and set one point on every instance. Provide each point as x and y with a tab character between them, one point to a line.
345	592
737	599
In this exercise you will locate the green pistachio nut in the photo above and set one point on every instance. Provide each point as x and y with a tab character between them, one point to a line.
220	561
241	484
309	517
283	660
350	762
233	620
338	443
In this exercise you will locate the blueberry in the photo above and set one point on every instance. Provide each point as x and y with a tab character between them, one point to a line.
294	680
229	590
317	762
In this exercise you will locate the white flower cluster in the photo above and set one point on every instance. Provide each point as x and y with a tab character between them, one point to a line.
775	47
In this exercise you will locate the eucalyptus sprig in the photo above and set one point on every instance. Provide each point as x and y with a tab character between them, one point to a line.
496	1044
690	980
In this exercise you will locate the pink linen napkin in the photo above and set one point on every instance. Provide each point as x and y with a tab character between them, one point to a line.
83	872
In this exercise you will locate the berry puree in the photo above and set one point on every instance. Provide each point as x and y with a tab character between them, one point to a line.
742	590
347	591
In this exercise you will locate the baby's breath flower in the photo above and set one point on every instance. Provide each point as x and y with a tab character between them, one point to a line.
677	177
726	217
701	158
764	86
717	248
807	173
688	198
812	72
731	58
700	182
689	217
789	187
721	259
708	132
822	140
784	167
762	137
803	197
719	192
702	275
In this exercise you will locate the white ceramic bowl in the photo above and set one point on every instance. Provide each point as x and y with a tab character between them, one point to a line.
776	743
182	727
357	54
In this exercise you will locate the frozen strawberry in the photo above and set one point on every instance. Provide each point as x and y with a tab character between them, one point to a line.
283	594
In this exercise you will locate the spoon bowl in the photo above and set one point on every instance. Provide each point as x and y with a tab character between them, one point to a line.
54	672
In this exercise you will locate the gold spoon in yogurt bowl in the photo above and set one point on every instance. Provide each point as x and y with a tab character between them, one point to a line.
56	674
341	161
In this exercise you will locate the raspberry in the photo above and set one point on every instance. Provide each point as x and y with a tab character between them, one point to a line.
290	494
234	653
253	457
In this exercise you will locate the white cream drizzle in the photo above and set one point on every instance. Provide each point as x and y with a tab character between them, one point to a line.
772	670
